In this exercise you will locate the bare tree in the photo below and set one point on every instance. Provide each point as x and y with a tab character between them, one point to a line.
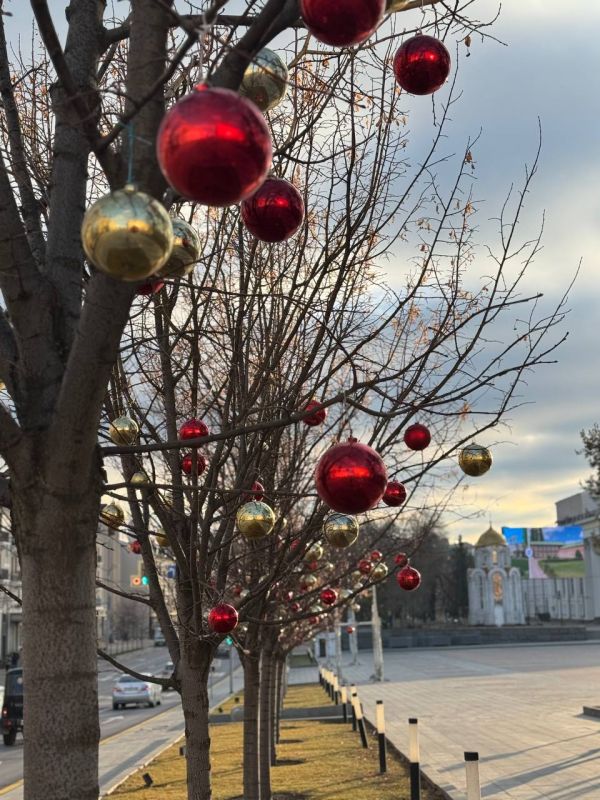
247	343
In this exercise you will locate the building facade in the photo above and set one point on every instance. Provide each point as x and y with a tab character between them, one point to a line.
582	509
10	579
495	587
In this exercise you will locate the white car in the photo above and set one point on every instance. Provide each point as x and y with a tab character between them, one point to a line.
131	691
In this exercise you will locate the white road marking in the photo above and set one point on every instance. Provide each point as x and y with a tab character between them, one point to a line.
113	719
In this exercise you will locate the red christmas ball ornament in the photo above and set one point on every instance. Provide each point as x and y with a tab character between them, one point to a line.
256	492
328	596
422	64
274	212
223	618
342	22
395	494
318	418
135	547
237	590
295	544
409	578
350	629
351	477
313	620
376	555
294	608
365	566
401	560
214	146
417	436
187	463
193	429
150	287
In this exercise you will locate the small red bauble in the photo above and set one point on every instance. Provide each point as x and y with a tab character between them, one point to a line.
351	477
365	566
313	565
150	287
395	494
214	147
223	618
318	418
350	629
342	22
422	64
187	463
313	620
409	578
193	429
417	436
237	590
295	608
401	560
376	555
328	596
274	212
256	493
135	547
295	544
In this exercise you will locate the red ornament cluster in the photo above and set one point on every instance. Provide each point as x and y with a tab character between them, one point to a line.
422	64
193	429
318	418
223	618
395	494
409	578
417	436
214	147
351	477
187	463
342	22
274	212
328	596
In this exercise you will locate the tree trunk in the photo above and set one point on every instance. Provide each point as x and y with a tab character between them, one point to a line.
264	724
57	543
251	696
194	669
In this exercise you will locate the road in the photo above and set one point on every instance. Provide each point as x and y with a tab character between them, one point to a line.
151	660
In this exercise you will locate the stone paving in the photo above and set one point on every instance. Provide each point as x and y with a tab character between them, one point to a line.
520	707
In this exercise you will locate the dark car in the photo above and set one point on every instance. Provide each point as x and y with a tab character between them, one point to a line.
12	708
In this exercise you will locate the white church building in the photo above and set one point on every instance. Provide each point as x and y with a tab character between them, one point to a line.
495	588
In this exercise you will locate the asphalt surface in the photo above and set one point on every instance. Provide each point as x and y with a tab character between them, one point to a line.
151	660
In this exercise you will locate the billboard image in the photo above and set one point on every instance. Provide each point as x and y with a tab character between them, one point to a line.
552	552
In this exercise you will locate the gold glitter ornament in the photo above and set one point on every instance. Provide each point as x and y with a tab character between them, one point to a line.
139	478
265	80
112	515
123	430
379	572
314	552
341	530
185	252
255	519
127	234
475	460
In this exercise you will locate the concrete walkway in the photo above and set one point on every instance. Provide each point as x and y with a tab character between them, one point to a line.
520	707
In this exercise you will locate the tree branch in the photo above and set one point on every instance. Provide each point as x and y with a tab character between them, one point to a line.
166	683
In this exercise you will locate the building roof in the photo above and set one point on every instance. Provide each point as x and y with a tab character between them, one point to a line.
491	538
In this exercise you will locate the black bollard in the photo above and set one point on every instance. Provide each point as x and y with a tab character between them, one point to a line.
414	759
380	722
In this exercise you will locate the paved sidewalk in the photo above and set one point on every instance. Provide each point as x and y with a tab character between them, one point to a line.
520	707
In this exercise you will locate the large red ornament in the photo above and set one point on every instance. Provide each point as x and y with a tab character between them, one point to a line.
395	494
214	146
187	463
328	596
274	212
365	566
417	436
409	578
150	287
193	429
401	560
351	477
318	417
376	555
342	22
422	64
223	618
135	547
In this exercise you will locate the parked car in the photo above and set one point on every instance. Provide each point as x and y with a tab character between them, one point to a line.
131	691
166	672
12	706
159	638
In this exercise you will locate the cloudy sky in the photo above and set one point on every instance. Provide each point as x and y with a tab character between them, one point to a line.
547	67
